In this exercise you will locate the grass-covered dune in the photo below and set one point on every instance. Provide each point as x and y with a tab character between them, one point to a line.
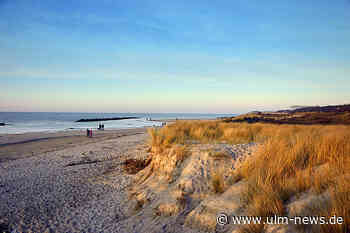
291	161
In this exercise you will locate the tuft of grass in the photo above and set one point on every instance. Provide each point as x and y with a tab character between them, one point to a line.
340	206
181	152
262	201
133	166
218	183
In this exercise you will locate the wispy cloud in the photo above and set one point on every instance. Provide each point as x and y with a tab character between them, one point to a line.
247	52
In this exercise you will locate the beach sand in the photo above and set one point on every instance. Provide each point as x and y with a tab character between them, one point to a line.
67	182
16	146
48	184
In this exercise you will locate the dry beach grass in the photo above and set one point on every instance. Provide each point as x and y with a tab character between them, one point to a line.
291	160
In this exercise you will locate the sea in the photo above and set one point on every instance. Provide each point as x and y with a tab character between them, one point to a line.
24	122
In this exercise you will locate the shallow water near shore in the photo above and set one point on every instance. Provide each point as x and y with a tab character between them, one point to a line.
23	122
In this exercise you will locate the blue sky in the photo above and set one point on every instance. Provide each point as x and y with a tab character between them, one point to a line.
173	56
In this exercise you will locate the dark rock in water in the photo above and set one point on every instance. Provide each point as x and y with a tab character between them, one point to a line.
2	124
107	119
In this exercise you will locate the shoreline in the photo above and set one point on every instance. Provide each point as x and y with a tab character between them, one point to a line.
23	145
68	130
18	146
7	139
19	138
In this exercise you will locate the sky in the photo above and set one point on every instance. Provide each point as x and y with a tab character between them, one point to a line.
195	56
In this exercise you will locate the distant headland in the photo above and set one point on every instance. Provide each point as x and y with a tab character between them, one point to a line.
324	115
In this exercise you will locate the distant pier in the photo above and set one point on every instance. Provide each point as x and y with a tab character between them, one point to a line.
107	119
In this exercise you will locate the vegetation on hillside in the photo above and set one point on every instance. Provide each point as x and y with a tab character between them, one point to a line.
339	114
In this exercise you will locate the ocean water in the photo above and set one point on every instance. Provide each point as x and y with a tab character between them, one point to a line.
23	122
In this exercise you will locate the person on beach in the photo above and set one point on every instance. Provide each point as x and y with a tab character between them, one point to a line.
89	133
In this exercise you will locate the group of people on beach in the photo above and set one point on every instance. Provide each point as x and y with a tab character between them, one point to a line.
101	126
89	131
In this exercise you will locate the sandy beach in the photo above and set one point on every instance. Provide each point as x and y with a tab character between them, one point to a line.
67	182
48	185
15	146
